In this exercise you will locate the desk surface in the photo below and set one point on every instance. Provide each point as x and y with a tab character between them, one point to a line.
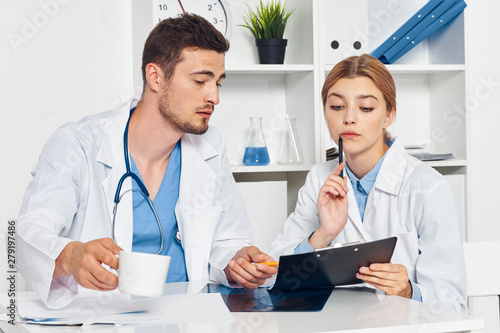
347	310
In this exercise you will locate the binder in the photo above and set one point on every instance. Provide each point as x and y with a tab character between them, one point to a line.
407	26
443	20
410	36
330	267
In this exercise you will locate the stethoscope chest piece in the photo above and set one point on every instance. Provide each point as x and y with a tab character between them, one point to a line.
178	235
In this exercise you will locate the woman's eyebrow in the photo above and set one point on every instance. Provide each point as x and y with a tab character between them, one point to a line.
366	96
336	95
362	96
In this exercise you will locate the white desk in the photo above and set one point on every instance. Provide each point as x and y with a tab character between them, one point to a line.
347	310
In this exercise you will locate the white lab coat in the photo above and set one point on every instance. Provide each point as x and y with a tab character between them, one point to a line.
409	200
71	198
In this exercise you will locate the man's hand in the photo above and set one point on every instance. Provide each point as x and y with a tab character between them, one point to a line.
83	261
241	268
391	278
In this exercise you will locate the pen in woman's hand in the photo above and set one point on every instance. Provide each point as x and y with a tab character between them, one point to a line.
341	159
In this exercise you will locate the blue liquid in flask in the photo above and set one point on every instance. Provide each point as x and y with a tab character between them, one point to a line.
256	156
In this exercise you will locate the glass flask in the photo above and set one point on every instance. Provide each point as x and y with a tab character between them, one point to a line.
290	151
256	150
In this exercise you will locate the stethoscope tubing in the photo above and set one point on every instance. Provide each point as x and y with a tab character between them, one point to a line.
142	187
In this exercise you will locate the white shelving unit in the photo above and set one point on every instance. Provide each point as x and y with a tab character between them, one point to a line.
271	91
255	69
270	168
430	82
430	79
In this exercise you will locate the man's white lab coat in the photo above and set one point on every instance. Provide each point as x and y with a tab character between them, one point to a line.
71	198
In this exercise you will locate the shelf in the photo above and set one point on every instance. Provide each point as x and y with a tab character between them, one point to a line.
417	69
268	69
270	168
446	163
307	167
424	69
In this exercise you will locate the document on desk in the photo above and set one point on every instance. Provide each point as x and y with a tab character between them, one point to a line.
124	309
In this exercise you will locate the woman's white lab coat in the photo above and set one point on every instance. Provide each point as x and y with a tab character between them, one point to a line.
409	200
71	198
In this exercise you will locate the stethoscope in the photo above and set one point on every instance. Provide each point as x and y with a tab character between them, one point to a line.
142	187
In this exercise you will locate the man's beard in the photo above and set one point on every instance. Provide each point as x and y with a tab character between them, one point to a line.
167	113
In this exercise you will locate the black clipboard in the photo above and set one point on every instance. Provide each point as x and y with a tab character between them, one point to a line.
331	267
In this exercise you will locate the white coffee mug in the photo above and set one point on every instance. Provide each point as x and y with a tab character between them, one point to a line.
142	274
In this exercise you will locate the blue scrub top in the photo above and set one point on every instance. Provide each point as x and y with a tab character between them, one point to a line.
146	236
362	187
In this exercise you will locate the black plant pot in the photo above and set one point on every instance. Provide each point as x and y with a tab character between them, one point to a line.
271	50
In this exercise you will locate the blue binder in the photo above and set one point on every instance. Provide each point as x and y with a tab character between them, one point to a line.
417	30
407	26
443	20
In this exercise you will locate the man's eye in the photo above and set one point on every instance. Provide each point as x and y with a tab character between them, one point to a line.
219	85
199	82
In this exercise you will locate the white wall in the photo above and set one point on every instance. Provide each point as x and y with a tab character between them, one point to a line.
483	97
59	60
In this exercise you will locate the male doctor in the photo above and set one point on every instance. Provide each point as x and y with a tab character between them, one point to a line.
67	226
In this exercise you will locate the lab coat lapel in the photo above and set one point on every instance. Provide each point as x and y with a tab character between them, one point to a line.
392	172
353	211
197	183
111	155
196	207
388	183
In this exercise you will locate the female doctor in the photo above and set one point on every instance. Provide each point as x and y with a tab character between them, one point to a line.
385	192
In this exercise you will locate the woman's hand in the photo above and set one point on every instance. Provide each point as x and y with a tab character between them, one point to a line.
332	209
391	278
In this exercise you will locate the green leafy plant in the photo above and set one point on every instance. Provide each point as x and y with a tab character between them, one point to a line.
268	21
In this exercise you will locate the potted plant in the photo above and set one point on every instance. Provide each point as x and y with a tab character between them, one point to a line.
267	24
